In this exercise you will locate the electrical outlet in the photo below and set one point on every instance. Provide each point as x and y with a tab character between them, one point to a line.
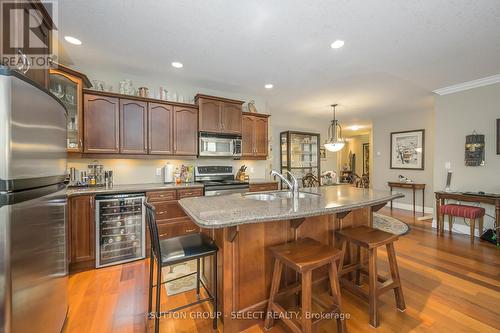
158	171
447	165
251	169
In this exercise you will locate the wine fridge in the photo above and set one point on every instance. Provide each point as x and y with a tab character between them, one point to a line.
120	228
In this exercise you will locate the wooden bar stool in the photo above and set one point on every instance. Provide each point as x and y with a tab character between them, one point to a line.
304	256
472	213
371	239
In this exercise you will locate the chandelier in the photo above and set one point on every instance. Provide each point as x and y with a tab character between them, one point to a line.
335	140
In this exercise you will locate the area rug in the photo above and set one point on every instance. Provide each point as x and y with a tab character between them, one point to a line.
390	224
181	285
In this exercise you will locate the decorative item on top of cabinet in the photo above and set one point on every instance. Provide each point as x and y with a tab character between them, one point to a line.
219	115
67	84
101	124
254	135
82	232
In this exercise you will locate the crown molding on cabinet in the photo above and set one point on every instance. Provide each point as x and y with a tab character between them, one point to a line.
468	85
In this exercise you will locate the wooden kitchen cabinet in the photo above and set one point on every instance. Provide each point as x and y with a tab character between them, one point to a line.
67	84
160	129
261	187
219	115
81	231
231	118
254	135
171	219
210	115
133	127
101	124
185	131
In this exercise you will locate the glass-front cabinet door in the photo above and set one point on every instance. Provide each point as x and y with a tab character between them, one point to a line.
68	89
300	153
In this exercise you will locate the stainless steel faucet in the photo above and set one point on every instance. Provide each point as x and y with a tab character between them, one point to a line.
292	186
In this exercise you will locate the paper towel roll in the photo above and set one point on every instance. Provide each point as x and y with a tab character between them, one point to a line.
169	173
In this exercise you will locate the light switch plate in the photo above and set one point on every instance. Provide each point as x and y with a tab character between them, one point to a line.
158	171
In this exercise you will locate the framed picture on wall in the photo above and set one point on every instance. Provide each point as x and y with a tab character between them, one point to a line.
408	150
498	136
366	158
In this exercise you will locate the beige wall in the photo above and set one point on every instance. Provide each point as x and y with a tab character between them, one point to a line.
404	121
458	115
355	145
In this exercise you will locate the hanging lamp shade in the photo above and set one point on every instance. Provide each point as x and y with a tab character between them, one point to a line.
335	140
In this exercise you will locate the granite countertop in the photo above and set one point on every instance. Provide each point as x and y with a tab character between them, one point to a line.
128	188
235	209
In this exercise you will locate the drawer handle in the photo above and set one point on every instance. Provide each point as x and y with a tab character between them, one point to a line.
161	213
190	230
165	234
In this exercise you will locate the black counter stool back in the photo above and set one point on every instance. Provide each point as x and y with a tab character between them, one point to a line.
175	250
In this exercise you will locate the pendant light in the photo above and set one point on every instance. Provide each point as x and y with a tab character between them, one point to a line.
335	140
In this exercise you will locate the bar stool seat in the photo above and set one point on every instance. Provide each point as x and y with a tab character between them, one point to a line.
370	239
185	248
304	256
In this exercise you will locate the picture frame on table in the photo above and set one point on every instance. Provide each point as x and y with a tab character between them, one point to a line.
408	150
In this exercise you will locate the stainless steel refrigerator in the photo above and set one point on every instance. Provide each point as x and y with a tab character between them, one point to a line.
33	235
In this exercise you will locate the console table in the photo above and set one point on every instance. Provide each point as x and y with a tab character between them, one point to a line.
441	196
413	187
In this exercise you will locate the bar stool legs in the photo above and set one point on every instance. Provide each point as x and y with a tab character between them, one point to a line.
393	265
275	285
306	301
335	287
370	239
304	256
372	289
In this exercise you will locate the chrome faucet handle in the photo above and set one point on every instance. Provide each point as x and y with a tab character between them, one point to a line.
294	179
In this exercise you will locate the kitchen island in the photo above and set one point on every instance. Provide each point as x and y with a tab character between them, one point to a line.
244	226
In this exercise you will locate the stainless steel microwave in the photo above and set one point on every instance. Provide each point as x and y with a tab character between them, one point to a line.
219	145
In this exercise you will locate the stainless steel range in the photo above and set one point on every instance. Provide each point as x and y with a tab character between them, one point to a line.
219	180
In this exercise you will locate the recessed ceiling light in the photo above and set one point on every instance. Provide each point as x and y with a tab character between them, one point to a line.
72	40
337	44
177	64
269	86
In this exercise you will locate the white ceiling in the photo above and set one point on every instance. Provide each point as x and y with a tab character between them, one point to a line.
396	52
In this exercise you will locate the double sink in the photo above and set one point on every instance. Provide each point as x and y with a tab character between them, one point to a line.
277	195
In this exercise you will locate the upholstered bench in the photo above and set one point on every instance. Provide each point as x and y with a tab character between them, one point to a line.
472	213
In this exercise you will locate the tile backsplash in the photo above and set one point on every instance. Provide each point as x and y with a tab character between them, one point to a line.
137	171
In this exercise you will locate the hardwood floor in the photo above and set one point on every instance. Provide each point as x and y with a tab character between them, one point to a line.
449	285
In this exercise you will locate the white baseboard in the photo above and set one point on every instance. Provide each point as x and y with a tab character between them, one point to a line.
458	228
418	209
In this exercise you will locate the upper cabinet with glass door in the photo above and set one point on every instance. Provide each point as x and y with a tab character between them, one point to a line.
67	85
300	153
